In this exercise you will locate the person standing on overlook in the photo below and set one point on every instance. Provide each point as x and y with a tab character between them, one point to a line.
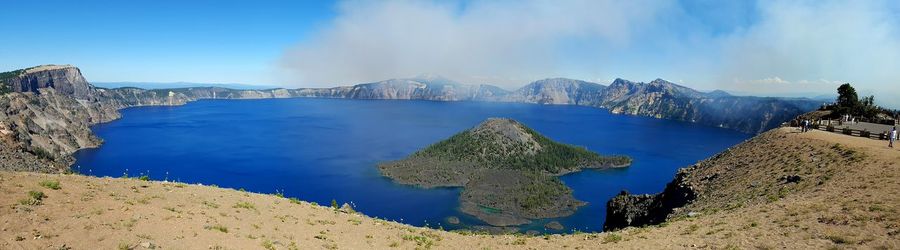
893	136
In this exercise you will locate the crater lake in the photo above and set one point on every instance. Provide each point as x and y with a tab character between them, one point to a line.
320	150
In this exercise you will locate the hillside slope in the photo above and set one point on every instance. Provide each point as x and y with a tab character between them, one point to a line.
855	206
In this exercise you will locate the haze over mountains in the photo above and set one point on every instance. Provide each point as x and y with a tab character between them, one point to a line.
658	98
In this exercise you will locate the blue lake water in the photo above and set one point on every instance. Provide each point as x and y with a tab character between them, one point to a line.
323	149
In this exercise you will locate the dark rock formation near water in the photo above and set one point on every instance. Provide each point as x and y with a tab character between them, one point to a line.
507	171
627	210
774	165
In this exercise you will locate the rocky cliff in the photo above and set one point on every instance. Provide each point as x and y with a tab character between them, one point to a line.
659	99
557	91
420	88
40	131
666	100
65	79
627	210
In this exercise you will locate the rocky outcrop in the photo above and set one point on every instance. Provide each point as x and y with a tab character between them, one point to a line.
761	170
627	210
65	79
39	132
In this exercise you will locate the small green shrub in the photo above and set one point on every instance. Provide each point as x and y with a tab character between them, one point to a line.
210	204
612	238
217	227
42	153
51	184
244	205
267	244
37	195
519	242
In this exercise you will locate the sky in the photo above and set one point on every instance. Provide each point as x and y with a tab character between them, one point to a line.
772	48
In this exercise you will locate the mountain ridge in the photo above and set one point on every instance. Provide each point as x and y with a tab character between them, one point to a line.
658	98
38	119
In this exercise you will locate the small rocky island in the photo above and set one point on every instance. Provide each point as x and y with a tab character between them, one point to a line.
508	171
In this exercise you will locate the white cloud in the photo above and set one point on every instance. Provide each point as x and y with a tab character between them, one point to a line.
505	42
812	45
770	80
850	41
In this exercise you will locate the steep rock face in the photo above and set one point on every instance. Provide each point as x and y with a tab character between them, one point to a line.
65	79
40	131
557	91
659	98
627	210
666	100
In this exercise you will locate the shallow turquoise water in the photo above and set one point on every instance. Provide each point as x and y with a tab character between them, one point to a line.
324	149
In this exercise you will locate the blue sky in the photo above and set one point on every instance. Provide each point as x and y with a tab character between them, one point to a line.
786	48
158	41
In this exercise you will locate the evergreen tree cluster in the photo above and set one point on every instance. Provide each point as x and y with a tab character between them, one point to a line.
849	103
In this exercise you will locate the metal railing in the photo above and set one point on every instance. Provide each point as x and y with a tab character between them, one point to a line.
829	126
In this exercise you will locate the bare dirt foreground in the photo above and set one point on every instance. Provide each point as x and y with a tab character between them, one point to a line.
855	207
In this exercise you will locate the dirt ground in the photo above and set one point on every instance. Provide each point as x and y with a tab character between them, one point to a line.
855	208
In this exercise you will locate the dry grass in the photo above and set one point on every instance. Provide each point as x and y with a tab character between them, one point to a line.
855	206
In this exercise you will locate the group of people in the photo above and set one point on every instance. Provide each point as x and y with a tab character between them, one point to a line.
892	135
850	119
804	125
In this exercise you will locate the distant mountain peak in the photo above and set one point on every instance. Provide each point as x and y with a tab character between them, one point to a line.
620	81
661	81
560	81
